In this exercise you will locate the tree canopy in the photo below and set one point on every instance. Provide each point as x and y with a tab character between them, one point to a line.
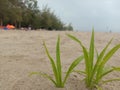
25	13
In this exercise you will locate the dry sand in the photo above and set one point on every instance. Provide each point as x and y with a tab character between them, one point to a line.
22	52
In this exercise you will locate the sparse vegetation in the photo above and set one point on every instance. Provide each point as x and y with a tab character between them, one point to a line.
57	67
96	70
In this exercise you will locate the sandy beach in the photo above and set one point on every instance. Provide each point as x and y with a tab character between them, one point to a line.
22	52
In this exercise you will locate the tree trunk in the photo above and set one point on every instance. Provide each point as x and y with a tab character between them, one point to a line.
15	24
19	25
1	22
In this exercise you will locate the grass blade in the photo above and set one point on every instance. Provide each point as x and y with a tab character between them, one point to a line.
91	58
100	57
75	39
87	64
116	68
44	75
104	73
97	54
72	66
86	56
58	61
110	80
110	54
52	63
91	51
103	62
111	70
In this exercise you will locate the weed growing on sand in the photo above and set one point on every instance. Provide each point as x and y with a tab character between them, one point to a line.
57	67
96	70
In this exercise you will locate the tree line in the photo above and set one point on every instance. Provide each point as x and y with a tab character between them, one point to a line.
26	13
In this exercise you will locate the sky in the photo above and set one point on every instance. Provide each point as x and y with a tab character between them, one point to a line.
103	15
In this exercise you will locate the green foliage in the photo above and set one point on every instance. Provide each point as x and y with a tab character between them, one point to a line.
57	67
49	20
25	13
96	70
68	27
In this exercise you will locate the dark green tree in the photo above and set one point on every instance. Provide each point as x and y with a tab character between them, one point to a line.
68	27
25	13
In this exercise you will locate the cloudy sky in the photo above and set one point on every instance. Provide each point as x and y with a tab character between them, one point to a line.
104	15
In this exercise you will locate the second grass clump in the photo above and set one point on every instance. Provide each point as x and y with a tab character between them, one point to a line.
95	70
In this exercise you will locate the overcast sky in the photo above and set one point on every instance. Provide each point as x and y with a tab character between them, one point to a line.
104	15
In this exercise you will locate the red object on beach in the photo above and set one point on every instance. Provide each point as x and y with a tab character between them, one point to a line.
10	26
1	27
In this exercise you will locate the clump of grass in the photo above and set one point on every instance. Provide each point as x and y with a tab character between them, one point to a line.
96	70
57	67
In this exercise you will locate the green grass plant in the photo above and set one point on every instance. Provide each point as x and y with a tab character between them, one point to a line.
95	70
57	67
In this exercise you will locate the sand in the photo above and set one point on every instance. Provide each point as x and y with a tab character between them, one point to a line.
22	52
